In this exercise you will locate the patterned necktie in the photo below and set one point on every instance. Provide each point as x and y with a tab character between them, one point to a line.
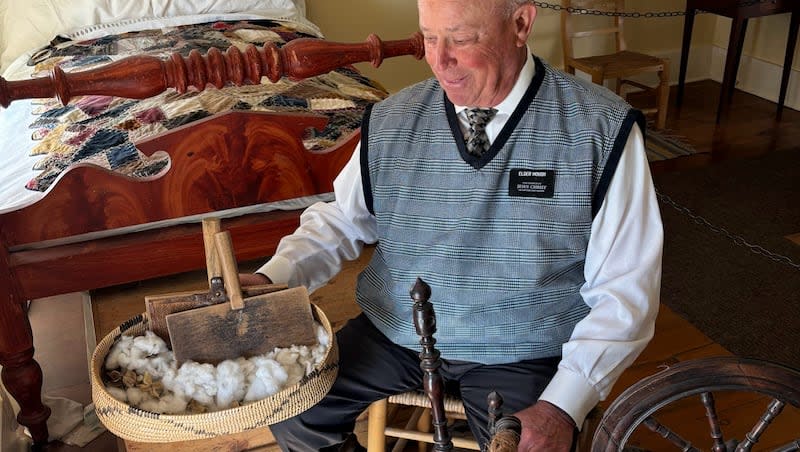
477	141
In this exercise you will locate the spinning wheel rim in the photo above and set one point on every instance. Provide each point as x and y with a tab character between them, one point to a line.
687	379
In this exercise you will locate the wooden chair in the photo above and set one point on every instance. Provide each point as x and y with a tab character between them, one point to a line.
618	65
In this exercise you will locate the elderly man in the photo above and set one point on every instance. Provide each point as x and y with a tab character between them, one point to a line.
523	197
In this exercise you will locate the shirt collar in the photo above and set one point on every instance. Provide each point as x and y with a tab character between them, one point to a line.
509	104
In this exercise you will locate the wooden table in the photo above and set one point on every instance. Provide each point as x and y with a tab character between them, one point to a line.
740	11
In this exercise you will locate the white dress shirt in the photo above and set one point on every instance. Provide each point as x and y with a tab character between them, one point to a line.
622	269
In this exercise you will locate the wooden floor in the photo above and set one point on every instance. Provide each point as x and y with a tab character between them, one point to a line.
750	129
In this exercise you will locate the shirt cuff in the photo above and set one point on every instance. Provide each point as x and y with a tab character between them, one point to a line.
278	269
572	393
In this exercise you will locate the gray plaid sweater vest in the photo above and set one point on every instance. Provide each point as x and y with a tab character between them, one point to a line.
500	238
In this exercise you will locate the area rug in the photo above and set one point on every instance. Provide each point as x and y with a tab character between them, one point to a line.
663	145
728	267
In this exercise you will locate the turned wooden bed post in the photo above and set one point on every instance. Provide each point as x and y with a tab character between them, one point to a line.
21	375
140	77
432	381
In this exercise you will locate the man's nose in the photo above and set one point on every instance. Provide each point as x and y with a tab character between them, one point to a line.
443	57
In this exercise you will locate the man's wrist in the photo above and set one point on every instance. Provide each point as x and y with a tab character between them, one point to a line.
558	413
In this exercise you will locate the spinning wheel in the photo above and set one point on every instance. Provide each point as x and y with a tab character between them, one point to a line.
644	408
697	381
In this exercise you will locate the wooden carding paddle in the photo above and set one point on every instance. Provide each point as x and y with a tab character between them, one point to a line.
158	307
243	327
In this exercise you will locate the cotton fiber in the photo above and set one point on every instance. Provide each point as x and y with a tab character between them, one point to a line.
160	386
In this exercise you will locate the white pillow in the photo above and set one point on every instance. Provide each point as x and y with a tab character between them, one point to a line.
31	24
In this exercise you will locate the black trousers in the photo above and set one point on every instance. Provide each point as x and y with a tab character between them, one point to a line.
372	368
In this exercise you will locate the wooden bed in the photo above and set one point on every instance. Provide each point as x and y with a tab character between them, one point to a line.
222	162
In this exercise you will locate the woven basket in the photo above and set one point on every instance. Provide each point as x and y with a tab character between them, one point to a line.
137	425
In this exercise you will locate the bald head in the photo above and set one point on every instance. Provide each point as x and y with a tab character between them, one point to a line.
511	5
474	48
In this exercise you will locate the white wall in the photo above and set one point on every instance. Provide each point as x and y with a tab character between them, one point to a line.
354	20
759	73
393	19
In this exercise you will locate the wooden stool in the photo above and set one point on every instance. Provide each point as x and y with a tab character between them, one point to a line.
418	427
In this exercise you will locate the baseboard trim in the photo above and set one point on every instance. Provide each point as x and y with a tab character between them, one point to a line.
758	77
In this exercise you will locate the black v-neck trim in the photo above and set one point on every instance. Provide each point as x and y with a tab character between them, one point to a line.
508	128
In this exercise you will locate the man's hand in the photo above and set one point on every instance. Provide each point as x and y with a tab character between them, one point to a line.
545	428
253	279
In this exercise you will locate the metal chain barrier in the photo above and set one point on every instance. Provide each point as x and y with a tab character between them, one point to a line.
634	15
737	240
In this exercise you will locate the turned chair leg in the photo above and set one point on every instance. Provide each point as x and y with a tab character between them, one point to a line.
376	423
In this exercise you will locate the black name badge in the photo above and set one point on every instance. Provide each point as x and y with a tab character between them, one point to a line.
532	183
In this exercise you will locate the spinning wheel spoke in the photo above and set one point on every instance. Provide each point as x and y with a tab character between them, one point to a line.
737	383
792	446
751	438
669	435
713	422
769	415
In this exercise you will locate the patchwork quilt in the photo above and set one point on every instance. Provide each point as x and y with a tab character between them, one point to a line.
103	130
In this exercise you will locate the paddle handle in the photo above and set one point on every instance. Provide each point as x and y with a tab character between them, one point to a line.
230	271
210	228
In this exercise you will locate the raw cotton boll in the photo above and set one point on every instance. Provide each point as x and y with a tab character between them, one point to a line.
247	367
288	358
322	336
136	396
305	358
118	393
197	381
267	379
138	362
119	355
167	404
150	344
143	352
230	383
318	353
303	352
168	379
160	364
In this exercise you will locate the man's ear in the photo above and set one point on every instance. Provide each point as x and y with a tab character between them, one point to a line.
523	19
